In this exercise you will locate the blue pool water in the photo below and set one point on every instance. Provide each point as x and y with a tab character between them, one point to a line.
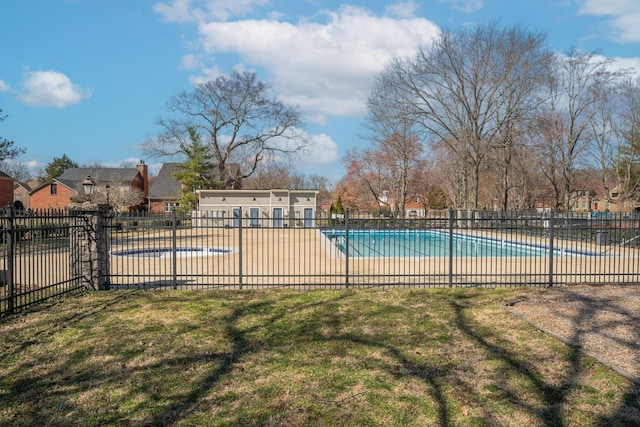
426	243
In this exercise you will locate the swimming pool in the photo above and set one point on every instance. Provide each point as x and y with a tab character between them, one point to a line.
427	243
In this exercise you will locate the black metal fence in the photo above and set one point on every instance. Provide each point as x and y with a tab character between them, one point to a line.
35	257
446	249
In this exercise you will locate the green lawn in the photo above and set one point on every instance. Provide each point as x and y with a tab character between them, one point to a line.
399	357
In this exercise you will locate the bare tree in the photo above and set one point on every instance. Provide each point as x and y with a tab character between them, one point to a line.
16	170
238	119
573	97
367	171
467	88
547	153
604	122
628	159
394	137
8	150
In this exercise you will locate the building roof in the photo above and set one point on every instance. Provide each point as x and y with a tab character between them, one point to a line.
73	177
99	175
165	186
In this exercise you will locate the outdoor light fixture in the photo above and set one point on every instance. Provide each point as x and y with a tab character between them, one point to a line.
107	188
224	198
89	186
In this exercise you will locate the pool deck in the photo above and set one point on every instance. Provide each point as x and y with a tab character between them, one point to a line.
286	257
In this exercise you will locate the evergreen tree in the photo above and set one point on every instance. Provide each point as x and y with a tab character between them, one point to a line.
57	168
195	173
339	207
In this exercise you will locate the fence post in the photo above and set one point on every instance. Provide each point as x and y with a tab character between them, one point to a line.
89	245
174	244
240	247
10	260
346	247
451	219
551	225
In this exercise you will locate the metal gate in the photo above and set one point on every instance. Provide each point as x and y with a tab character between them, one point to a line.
36	257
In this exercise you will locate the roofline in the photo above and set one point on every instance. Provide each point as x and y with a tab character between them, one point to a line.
246	191
51	181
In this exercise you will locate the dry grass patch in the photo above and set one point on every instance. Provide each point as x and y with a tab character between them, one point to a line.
273	357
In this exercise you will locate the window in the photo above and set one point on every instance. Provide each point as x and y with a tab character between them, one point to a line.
54	189
170	206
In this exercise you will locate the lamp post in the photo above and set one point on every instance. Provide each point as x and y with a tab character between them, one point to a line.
107	188
89	186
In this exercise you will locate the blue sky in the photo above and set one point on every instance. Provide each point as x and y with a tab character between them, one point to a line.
88	78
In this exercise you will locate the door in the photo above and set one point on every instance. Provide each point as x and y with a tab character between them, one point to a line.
308	217
277	217
236	217
254	217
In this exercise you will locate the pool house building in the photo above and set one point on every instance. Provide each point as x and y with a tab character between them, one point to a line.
258	208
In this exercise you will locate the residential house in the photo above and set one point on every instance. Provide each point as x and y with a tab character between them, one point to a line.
414	207
164	194
58	193
582	200
21	197
165	190
612	202
6	190
274	208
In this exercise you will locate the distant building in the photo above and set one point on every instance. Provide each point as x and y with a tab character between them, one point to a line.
6	190
164	194
21	197
257	208
165	190
57	193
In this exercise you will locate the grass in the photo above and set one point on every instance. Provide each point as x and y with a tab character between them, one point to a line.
364	358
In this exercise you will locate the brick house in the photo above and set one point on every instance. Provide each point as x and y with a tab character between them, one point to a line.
21	197
165	190
6	190
57	193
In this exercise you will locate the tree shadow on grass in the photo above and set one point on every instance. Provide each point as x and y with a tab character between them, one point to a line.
586	308
241	346
552	395
329	320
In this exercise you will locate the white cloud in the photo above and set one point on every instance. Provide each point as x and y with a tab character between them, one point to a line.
403	9
190	62
466	6
201	10
625	15
326	68
4	87
51	89
321	152
628	65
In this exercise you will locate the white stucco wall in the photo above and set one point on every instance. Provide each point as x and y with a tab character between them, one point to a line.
276	207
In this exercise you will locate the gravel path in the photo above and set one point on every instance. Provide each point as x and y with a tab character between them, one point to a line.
602	320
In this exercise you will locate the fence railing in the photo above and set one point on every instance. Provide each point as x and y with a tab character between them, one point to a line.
36	262
446	249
